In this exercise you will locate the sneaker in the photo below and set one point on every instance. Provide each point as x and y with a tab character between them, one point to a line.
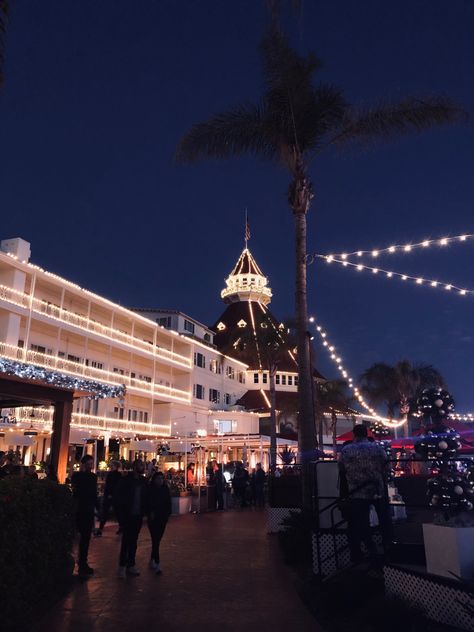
158	570
122	572
133	570
153	565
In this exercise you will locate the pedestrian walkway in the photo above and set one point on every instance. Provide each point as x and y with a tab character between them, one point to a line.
219	569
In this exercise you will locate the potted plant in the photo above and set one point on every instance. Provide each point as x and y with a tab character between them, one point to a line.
449	540
180	498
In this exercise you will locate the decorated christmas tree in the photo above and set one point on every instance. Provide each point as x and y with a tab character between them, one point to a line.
452	488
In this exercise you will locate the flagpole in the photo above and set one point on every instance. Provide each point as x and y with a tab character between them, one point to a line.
246	228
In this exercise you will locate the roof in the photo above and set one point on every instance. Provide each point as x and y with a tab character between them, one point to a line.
246	264
251	318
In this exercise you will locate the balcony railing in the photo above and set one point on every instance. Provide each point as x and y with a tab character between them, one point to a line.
55	312
77	368
43	418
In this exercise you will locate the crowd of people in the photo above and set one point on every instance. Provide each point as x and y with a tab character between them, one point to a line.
145	492
132	496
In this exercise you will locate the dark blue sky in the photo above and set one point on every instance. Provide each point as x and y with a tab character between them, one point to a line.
97	95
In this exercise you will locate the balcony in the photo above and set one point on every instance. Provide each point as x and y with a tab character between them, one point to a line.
50	310
43	418
76	368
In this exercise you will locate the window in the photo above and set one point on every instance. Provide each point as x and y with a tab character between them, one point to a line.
241	323
188	326
225	425
118	412
207	337
200	360
145	378
221	326
241	377
290	380
227	399
73	358
214	396
145	417
265	378
164	321
38	348
255	378
213	366
198	391
296	380
94	364
119	371
277	379
230	372
283	380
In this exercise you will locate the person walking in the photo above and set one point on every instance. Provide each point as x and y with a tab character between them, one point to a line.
159	510
259	486
219	482
112	479
364	466
84	491
239	484
130	503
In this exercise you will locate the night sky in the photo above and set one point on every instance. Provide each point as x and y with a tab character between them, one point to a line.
97	94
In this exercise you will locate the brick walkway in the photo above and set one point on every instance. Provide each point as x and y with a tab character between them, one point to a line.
219	569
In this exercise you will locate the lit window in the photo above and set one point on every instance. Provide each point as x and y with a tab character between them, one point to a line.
221	326
241	323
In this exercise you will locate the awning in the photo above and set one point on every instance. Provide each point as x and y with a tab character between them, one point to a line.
13	438
143	446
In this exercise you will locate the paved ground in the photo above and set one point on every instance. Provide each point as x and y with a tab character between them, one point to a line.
219	569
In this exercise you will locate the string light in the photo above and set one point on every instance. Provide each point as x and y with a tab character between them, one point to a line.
404	277
400	248
357	394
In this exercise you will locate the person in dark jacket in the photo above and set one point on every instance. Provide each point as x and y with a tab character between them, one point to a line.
159	510
219	482
259	486
239	484
112	479
130	503
84	490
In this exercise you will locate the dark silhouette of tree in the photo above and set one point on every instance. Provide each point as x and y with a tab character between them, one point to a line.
335	397
295	121
398	387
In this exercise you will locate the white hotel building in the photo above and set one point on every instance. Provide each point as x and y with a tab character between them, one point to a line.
177	383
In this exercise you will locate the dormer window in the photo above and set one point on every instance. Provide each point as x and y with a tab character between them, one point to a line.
242	323
221	326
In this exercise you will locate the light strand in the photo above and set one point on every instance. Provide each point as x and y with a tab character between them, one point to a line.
337	359
404	248
404	277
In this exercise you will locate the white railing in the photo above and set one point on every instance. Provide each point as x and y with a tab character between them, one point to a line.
53	362
43	419
82	322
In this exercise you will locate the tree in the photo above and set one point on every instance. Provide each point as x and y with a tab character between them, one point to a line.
398	386
334	397
3	28
293	122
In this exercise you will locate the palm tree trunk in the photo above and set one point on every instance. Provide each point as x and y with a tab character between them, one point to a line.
273	421
334	432
300	195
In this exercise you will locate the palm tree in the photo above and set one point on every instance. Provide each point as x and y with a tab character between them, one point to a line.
335	397
293	122
398	386
3	28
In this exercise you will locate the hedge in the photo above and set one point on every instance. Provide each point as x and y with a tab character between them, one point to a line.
36	533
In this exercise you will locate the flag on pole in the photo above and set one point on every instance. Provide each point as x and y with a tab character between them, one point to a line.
247	229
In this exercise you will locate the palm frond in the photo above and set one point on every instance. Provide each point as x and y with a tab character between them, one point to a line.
244	129
4	5
394	119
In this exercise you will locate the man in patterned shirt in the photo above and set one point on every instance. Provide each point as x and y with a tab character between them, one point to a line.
364	465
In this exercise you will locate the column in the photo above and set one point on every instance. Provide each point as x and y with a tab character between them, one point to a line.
60	437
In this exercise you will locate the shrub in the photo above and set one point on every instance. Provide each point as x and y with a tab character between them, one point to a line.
36	532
